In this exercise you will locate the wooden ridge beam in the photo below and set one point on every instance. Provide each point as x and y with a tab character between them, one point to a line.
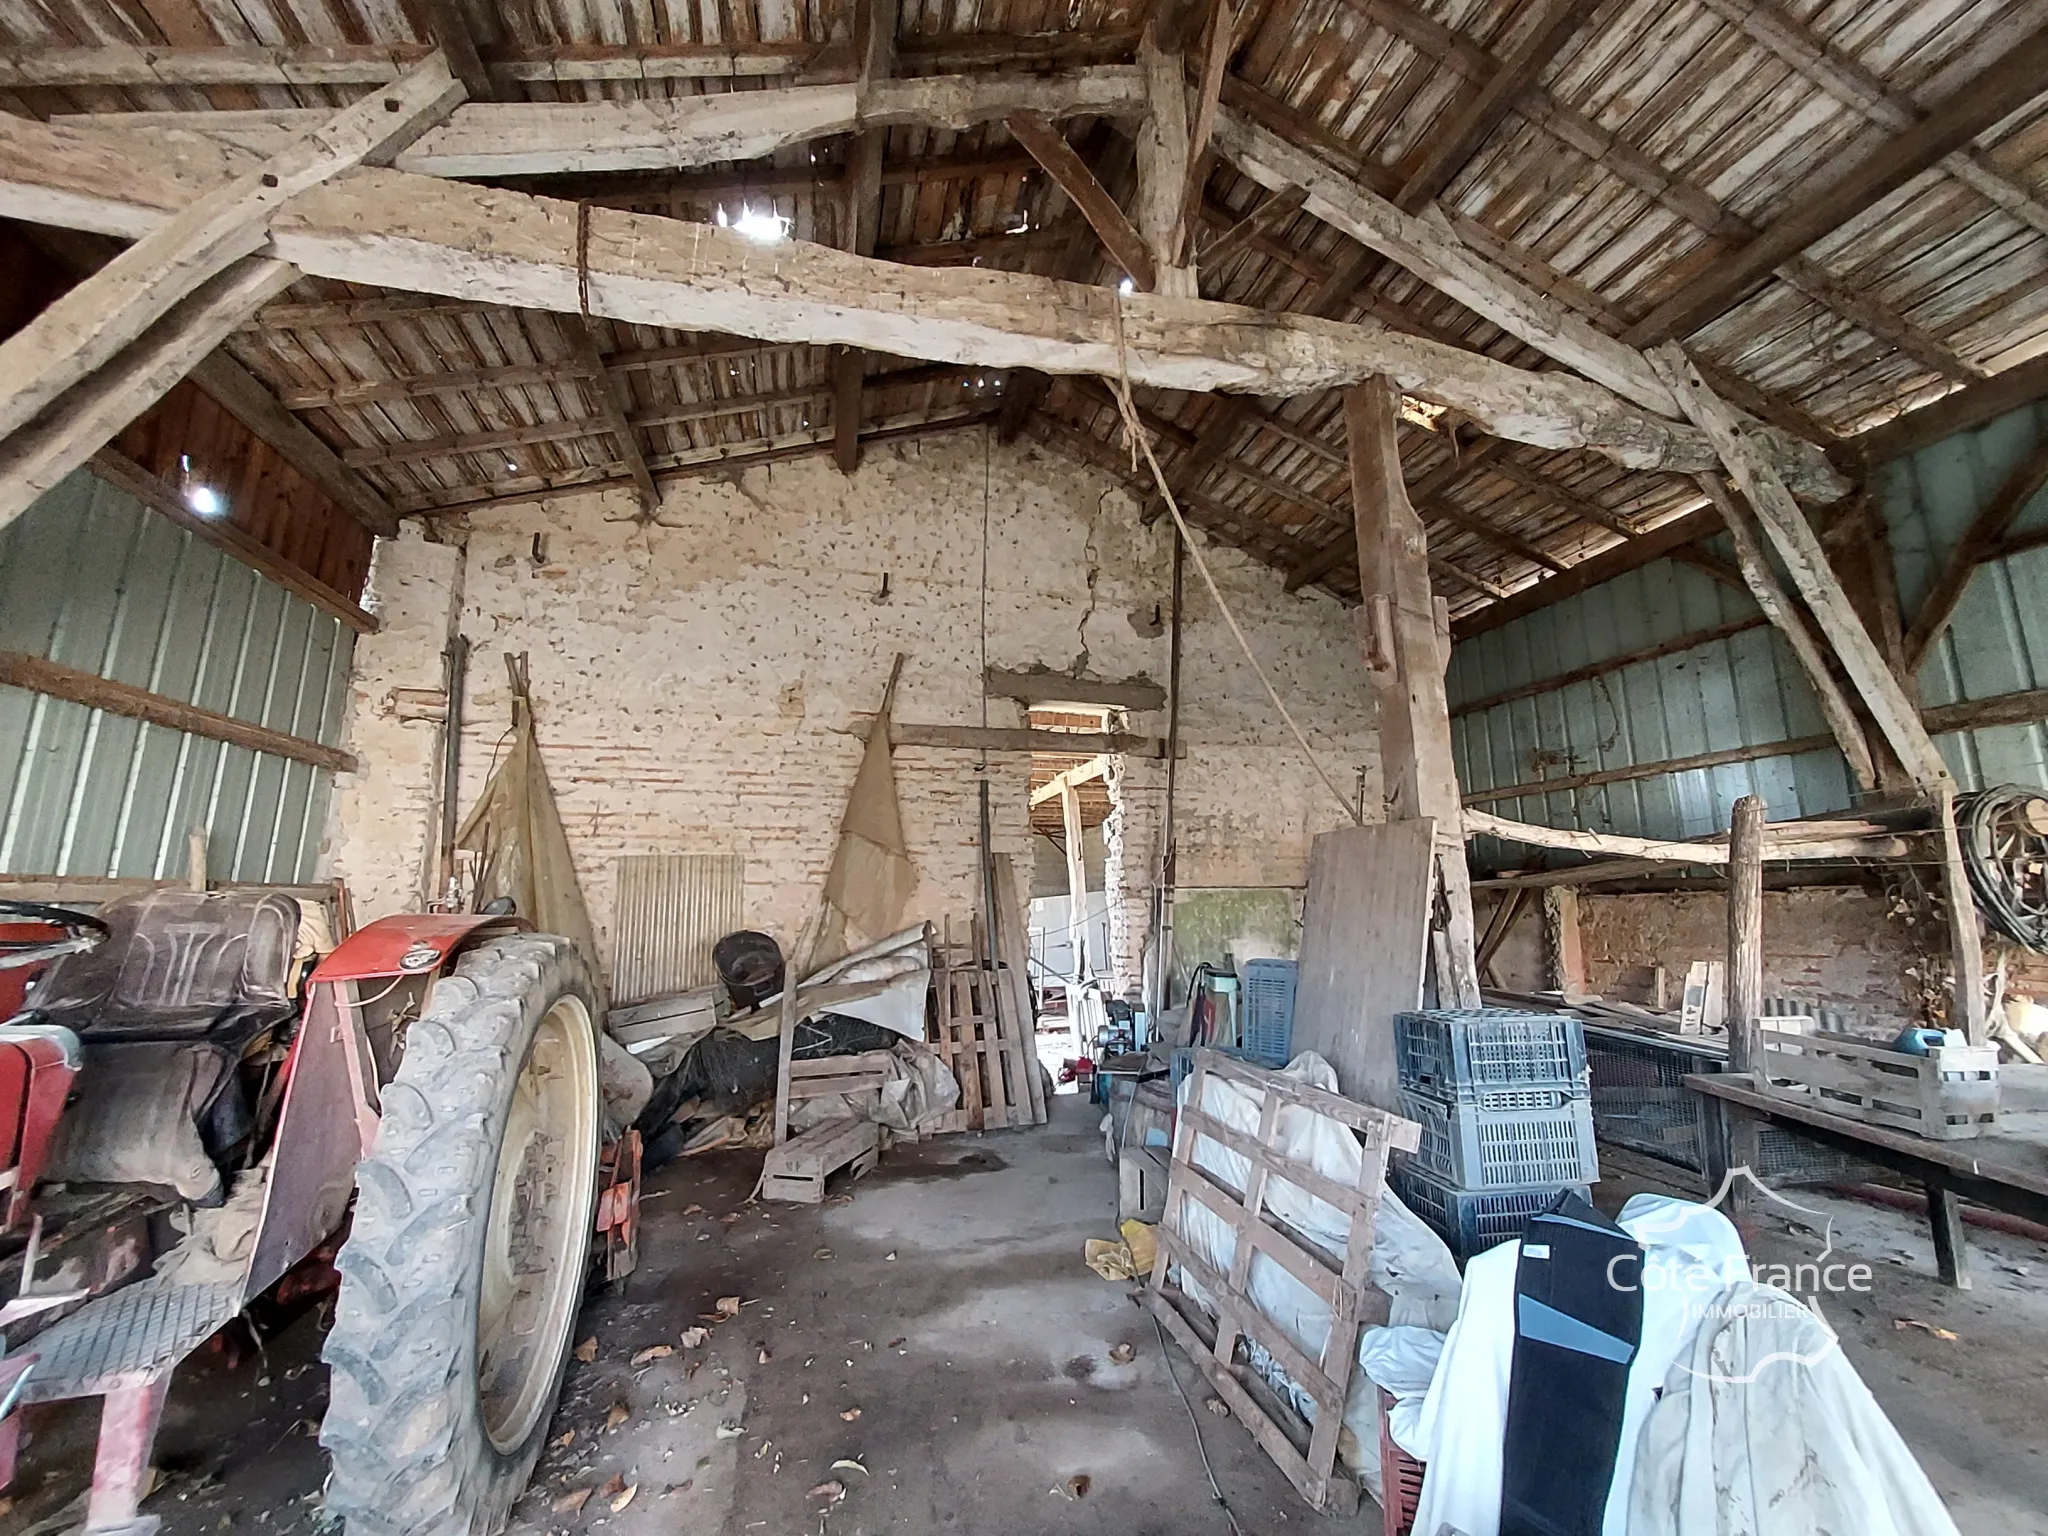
390	229
510	139
1829	200
57	681
1057	158
1447	153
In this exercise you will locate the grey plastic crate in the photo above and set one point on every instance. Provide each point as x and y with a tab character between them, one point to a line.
1473	1220
1488	1056
1476	1148
1269	1011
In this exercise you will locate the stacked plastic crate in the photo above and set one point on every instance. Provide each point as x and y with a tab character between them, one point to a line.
1507	1120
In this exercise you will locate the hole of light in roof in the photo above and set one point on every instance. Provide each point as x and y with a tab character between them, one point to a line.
1422	413
762	224
205	500
1127	287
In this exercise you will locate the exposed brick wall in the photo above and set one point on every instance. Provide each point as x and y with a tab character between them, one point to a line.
694	678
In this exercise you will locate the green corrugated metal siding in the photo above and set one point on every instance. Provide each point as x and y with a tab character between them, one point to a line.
89	577
1748	690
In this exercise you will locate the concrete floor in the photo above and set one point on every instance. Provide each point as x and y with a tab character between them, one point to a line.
947	1303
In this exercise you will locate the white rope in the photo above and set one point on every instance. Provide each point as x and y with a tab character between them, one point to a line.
1138	440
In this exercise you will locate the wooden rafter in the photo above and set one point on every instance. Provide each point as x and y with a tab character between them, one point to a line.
608	395
1489	107
1264	221
1049	147
1980	542
1831	199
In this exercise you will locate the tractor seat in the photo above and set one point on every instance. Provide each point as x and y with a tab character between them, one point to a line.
178	965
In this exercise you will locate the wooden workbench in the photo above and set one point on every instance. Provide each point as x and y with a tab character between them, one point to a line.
2006	1169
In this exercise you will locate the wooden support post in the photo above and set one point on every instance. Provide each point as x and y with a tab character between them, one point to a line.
1077	877
1965	942
1564	952
1951	1246
1163	142
1745	934
874	46
1406	666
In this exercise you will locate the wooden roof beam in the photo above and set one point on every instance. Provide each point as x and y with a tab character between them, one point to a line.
1847	80
393	230
1447	154
1828	200
608	394
1049	147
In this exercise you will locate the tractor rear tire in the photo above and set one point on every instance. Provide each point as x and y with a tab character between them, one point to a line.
465	1265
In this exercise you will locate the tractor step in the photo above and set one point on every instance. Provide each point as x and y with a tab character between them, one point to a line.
139	1332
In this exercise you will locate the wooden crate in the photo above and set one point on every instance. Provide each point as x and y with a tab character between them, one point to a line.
1948	1094
1307	1455
797	1169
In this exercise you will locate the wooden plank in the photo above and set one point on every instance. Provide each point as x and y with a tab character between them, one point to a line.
36	459
1978	544
55	680
1364	941
409	232
1745	935
450	28
1019	1023
1830	198
83	329
1958	411
1139	694
1208	94
249	401
1163	139
1418	772
1049	147
1448	152
998	738
149	489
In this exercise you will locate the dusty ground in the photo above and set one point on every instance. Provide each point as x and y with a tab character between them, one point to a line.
947	1303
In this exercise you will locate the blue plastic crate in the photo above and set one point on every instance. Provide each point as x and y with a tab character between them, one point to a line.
1473	1220
1268	1001
1475	1148
1486	1056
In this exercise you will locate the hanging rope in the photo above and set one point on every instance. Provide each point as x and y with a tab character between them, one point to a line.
1138	440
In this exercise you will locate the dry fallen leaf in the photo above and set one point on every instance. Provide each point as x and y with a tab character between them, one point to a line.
821	1253
567	1437
694	1210
896	1343
1217	1406
728	1306
1123	1354
614	1486
831	1492
730	1217
1901	1324
850	1415
587	1350
618	1415
851	1465
624	1497
571	1501
693	1337
652	1352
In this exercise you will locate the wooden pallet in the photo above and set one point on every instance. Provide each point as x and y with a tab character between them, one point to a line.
981	1027
797	1169
1306	1454
1948	1094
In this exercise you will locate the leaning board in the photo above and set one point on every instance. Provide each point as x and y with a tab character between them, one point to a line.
1365	936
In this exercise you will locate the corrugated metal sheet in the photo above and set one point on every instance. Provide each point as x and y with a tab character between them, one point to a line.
91	578
1748	690
670	909
1998	640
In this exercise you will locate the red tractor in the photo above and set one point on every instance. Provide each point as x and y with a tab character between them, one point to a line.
178	1068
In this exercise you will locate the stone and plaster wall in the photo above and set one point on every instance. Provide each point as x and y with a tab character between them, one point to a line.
695	677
